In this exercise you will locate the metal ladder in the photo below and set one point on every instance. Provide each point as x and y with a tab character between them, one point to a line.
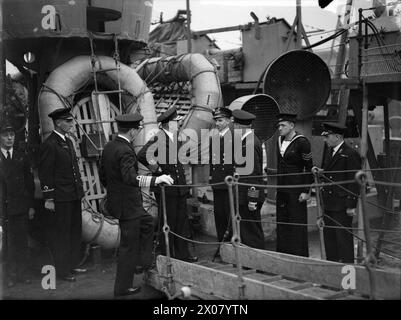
95	70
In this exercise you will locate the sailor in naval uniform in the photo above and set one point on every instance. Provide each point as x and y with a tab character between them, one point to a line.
339	204
294	159
62	190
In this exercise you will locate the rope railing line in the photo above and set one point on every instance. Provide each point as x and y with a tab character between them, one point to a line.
369	202
195	185
323	171
196	241
314	225
385	183
295	185
263	186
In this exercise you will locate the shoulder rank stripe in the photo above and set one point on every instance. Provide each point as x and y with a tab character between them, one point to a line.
306	156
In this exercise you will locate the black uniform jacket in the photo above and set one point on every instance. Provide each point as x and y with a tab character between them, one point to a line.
170	164
58	170
18	183
119	175
297	158
245	192
336	198
221	157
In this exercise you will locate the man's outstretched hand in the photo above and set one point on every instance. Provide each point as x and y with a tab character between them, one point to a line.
166	179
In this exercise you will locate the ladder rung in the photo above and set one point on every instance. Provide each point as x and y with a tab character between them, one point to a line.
105	70
107	92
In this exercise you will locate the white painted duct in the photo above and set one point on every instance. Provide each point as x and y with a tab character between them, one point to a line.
206	91
75	73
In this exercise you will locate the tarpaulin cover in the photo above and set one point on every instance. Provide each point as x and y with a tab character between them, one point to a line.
163	39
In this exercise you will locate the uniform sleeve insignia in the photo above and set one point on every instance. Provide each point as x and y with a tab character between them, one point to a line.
306	156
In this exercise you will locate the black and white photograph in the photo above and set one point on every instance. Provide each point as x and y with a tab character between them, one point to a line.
200	155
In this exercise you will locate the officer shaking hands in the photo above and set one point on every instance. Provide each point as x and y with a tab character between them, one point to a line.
165	142
119	175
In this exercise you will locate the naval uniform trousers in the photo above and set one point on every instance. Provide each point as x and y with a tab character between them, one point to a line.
251	231
136	244
17	242
339	243
291	239
177	220
222	214
65	236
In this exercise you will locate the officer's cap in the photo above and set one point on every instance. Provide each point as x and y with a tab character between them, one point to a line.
129	120
332	128
291	117
243	117
169	115
61	113
222	112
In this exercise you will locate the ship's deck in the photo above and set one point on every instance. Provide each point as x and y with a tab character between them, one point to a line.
97	283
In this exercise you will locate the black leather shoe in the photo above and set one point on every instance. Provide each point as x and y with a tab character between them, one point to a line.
128	292
191	259
78	270
69	278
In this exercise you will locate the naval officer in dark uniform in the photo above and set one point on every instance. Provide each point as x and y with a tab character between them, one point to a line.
18	190
119	175
166	142
62	190
294	163
250	198
221	166
339	204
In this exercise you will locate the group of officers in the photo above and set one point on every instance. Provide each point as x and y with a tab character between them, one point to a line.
294	187
118	171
